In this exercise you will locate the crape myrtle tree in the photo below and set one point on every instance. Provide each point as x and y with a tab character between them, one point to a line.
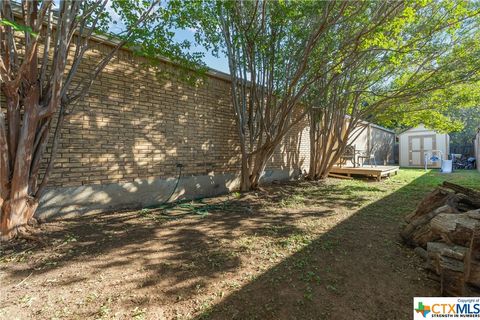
456	111
42	45
425	48
268	45
345	66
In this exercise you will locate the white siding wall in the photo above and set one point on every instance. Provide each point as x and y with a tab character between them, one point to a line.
442	142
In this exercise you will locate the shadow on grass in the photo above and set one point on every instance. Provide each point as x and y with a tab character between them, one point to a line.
357	268
181	247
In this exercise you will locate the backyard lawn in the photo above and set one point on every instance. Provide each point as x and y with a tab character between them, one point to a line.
303	250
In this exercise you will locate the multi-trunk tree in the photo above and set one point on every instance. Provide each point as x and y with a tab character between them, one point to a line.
420	50
42	46
269	45
335	101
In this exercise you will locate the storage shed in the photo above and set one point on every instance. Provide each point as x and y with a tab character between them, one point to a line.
418	142
375	140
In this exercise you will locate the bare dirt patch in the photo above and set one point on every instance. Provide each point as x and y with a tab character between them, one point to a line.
303	250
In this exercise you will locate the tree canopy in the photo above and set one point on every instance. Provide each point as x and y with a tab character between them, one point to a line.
42	45
397	63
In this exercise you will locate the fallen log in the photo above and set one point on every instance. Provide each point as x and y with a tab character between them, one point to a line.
434	251
435	199
471	197
437	250
453	228
463	202
474	214
419	232
452	278
461	189
472	260
445	231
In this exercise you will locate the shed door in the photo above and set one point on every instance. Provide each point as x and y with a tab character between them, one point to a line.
418	146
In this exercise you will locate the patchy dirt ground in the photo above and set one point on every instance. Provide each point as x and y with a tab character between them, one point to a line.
304	250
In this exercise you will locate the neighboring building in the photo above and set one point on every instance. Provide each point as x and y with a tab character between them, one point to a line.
416	142
375	140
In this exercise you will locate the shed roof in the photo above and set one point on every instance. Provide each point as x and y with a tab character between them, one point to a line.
373	125
420	126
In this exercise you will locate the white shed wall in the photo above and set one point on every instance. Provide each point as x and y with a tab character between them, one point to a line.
442	143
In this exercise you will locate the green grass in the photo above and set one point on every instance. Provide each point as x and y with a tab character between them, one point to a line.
307	240
412	183
405	189
432	178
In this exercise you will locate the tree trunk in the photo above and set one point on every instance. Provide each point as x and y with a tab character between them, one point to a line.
245	184
15	220
253	167
324	155
19	205
36	88
329	137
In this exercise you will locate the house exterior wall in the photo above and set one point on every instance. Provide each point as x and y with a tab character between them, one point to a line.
121	145
442	143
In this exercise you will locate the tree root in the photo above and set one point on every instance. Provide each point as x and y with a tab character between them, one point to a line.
28	233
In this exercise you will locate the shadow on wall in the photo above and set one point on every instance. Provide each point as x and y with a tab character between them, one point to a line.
383	144
122	144
293	155
72	201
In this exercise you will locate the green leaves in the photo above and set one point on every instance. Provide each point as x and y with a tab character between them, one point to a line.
18	27
413	67
155	36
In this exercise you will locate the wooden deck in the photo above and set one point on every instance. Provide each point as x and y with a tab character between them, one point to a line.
377	172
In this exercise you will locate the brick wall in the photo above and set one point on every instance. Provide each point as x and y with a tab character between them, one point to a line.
135	124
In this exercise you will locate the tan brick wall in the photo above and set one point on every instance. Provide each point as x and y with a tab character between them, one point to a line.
136	125
294	153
